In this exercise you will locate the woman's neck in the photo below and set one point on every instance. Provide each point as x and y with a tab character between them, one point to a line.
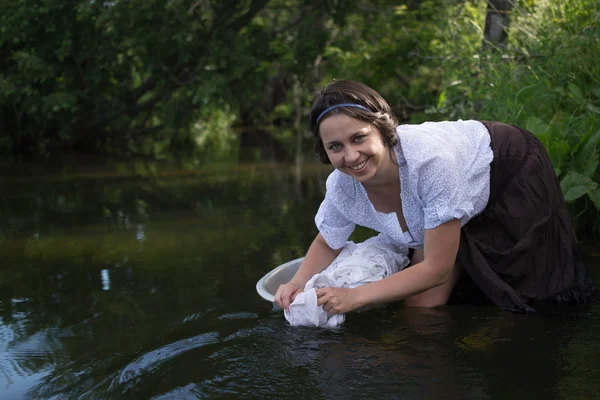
387	175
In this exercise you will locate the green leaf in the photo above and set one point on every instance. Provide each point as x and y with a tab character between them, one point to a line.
593	108
557	171
545	139
586	155
559	151
441	99
575	91
594	195
536	126
575	185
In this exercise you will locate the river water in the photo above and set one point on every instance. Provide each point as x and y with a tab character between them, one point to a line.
134	280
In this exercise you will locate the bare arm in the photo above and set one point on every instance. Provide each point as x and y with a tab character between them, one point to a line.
318	257
441	247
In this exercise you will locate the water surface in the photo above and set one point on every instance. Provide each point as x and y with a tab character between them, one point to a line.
134	280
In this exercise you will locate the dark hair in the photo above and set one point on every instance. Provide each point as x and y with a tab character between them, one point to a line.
345	91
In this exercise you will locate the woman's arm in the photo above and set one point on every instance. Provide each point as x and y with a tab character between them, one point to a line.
318	257
441	247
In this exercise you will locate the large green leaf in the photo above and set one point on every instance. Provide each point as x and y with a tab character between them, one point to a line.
594	195
586	156
574	185
536	126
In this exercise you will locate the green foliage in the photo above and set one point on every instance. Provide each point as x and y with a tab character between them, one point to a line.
194	76
140	76
402	50
574	185
112	73
214	136
548	81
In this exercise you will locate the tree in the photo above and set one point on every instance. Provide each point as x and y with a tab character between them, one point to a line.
78	74
497	22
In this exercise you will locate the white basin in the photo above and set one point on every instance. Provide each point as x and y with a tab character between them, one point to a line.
268	284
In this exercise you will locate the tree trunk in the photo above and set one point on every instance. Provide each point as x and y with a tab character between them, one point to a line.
497	21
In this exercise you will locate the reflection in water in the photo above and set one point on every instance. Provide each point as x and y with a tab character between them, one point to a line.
105	279
24	362
140	284
140	235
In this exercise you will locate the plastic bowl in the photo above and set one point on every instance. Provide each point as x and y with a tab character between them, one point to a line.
268	284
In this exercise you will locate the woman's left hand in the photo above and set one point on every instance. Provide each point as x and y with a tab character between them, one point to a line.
337	300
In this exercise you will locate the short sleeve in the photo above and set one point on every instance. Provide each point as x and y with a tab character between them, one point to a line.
447	169
441	188
333	225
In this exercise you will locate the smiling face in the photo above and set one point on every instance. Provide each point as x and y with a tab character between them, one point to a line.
353	146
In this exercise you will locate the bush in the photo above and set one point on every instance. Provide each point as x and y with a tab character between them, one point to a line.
547	80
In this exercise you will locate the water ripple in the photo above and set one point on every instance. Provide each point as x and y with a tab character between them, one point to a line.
240	315
181	393
152	359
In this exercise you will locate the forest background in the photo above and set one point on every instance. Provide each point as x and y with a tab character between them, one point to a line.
232	80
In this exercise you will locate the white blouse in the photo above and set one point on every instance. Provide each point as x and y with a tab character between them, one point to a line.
444	174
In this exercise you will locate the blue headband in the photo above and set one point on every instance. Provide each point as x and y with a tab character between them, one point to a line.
325	111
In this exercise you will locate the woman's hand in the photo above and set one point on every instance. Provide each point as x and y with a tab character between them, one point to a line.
286	294
337	300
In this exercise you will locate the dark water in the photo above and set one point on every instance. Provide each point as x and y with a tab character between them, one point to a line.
137	281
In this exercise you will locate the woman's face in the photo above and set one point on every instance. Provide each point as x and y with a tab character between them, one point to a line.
353	146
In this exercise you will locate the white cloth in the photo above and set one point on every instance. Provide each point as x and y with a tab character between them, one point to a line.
356	265
444	170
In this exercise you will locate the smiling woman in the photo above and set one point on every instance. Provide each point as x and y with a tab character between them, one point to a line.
354	146
478	202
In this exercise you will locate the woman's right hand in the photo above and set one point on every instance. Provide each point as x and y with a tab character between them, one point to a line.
286	294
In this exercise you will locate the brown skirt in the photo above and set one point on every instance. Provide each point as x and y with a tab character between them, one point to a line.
522	248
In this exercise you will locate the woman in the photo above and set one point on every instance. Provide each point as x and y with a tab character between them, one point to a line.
477	201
